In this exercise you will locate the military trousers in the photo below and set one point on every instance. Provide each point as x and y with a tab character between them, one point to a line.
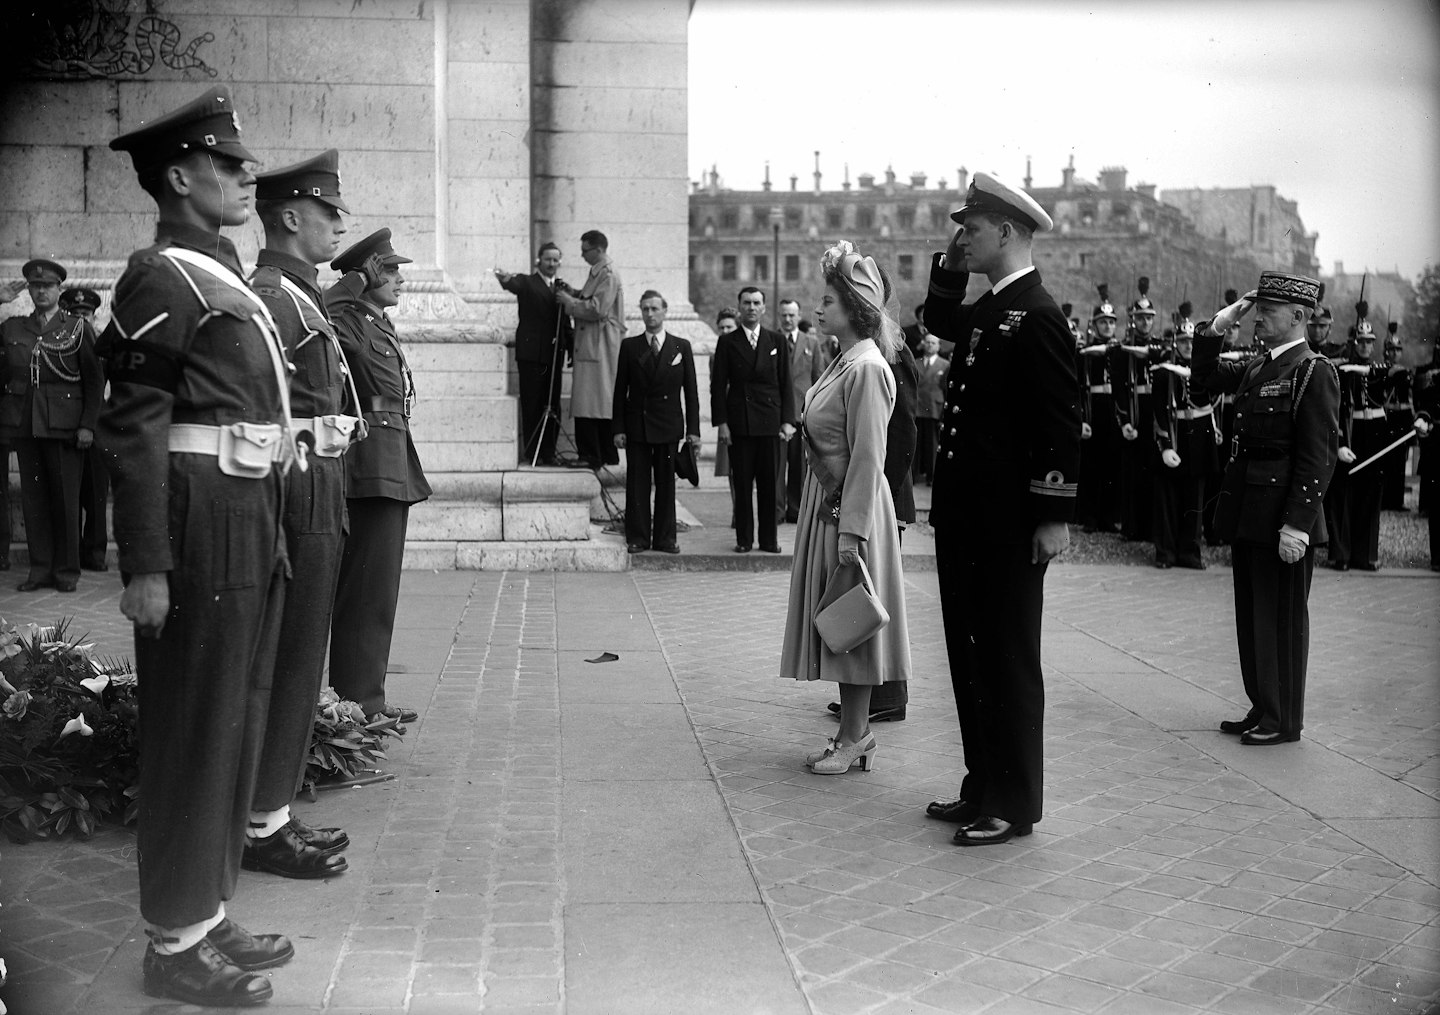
1136	486
314	538
1272	625
991	598
94	498
50	499
7	536
365	600
1178	514
204	689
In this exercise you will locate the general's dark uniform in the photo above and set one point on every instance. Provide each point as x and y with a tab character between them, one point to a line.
1184	423
1284	453
1353	506
1008	459
383	477
53	384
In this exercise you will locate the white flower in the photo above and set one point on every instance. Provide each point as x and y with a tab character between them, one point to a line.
76	725
96	684
834	255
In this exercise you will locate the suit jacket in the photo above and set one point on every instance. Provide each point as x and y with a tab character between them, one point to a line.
1286	441
384	464
57	406
541	319
750	389
648	391
931	395
1008	453
900	436
913	337
806	366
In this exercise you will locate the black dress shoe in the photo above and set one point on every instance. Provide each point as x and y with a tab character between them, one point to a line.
290	856
960	812
1264	738
394	712
30	586
770	549
250	951
326	840
1164	565
203	975
636	547
988	831
1337	565
94	564
741	548
1367	567
675	548
1238	726
64	586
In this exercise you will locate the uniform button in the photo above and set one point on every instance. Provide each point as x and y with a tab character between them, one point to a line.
962	387
949	454
952	431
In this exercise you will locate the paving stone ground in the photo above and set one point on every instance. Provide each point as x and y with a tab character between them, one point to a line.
642	835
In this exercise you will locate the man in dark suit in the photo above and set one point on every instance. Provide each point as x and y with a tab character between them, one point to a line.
383	476
929	406
751	401
805	369
915	333
656	369
1286	443
1004	490
543	336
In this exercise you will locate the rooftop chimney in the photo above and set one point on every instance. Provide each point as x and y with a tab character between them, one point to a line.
889	179
1067	176
867	181
1112	178
1145	190
714	180
962	179
794	182
817	172
846	184
917	181
1028	178
766	184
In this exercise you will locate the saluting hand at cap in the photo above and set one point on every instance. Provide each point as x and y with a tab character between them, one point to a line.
12	289
1230	316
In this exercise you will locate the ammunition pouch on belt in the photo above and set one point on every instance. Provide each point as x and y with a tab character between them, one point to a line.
245	450
332	433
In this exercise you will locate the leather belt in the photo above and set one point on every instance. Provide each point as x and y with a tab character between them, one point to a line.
1368	414
1262	454
1401	406
1193	413
1100	389
379	403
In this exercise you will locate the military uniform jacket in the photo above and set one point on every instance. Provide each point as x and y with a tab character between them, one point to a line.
71	382
1092	368
541	319
172	360
1184	420
1362	392
750	388
1129	383
318	386
1285	442
648	390
385	463
1008	454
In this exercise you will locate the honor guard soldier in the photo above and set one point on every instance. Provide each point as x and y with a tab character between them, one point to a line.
1130	385
1400	417
1185	434
53	386
1427	405
1233	350
1354	504
197	439
383	476
299	207
1286	438
1005	485
94	483
1098	504
1317	332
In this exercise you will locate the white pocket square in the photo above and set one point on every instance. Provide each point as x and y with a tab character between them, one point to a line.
774	352
676	361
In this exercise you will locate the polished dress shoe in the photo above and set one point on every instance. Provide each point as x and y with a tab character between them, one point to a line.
894	714
30	585
326	840
203	975
290	856
673	548
636	547
61	585
1338	565
770	549
837	760
394	712
250	951
1238	726
957	811
988	831
1264	738
742	548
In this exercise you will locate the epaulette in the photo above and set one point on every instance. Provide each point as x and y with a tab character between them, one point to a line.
268	290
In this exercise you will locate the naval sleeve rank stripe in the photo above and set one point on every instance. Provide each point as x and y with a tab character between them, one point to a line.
1047	488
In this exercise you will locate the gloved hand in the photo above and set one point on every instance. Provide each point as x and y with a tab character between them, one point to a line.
1292	548
1347	456
1085	431
1230	316
1129	432
1171	458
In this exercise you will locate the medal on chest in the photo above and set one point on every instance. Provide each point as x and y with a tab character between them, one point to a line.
975	334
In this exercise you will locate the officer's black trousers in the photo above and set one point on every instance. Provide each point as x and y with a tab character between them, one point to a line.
50	495
1136	487
314	537
1352	516
1272	624
752	463
539	386
6	535
644	462
365	600
991	598
1179	504
94	495
924	463
892	693
1097	503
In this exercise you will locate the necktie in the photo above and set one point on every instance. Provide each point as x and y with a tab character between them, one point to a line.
655	346
752	338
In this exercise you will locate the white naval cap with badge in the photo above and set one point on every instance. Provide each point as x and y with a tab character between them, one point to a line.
987	193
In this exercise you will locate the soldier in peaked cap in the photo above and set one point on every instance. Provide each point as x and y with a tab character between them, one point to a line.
1183	432
53	386
383	476
1006	474
80	302
196	438
299	207
1399	417
1285	445
94	483
1353	504
1098	502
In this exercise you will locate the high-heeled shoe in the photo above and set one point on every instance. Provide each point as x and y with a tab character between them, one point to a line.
815	756
838	760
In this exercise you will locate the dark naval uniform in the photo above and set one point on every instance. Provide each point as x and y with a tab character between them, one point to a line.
1184	423
383	477
53	384
192	353
1354	504
1281	461
1008	459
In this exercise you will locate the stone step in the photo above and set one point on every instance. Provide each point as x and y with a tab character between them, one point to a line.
600	552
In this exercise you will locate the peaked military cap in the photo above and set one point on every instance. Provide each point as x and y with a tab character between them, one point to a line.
318	177
1281	287
986	193
41	269
205	124
79	299
377	242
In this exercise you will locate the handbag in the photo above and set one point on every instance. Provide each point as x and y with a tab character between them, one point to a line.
849	613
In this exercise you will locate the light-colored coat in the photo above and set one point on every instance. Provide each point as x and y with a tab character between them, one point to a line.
599	329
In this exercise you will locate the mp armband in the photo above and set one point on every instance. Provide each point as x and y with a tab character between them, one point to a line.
138	362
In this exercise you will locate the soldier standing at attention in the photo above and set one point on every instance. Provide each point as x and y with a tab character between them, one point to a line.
1354	503
1098	504
94	483
383	476
1184	429
1399	417
300	207
1286	439
1130	382
196	438
52	383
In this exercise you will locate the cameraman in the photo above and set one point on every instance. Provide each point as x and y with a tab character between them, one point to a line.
543	335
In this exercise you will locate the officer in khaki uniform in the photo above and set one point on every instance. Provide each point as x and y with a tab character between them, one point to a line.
383	476
52	383
196	437
94	484
300	206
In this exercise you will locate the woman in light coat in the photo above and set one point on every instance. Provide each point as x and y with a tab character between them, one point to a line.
846	511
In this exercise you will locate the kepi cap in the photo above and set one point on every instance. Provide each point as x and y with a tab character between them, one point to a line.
1142	307
317	177
205	124
377	242
1104	308
1281	287
79	299
986	193
42	269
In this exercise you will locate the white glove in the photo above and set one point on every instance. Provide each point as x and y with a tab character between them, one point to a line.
1085	431
1292	548
1423	426
1129	432
1230	316
1171	458
1347	456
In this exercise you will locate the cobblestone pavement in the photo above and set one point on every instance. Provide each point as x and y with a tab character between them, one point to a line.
554	841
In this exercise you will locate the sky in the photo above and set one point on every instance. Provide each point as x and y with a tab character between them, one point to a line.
1334	102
